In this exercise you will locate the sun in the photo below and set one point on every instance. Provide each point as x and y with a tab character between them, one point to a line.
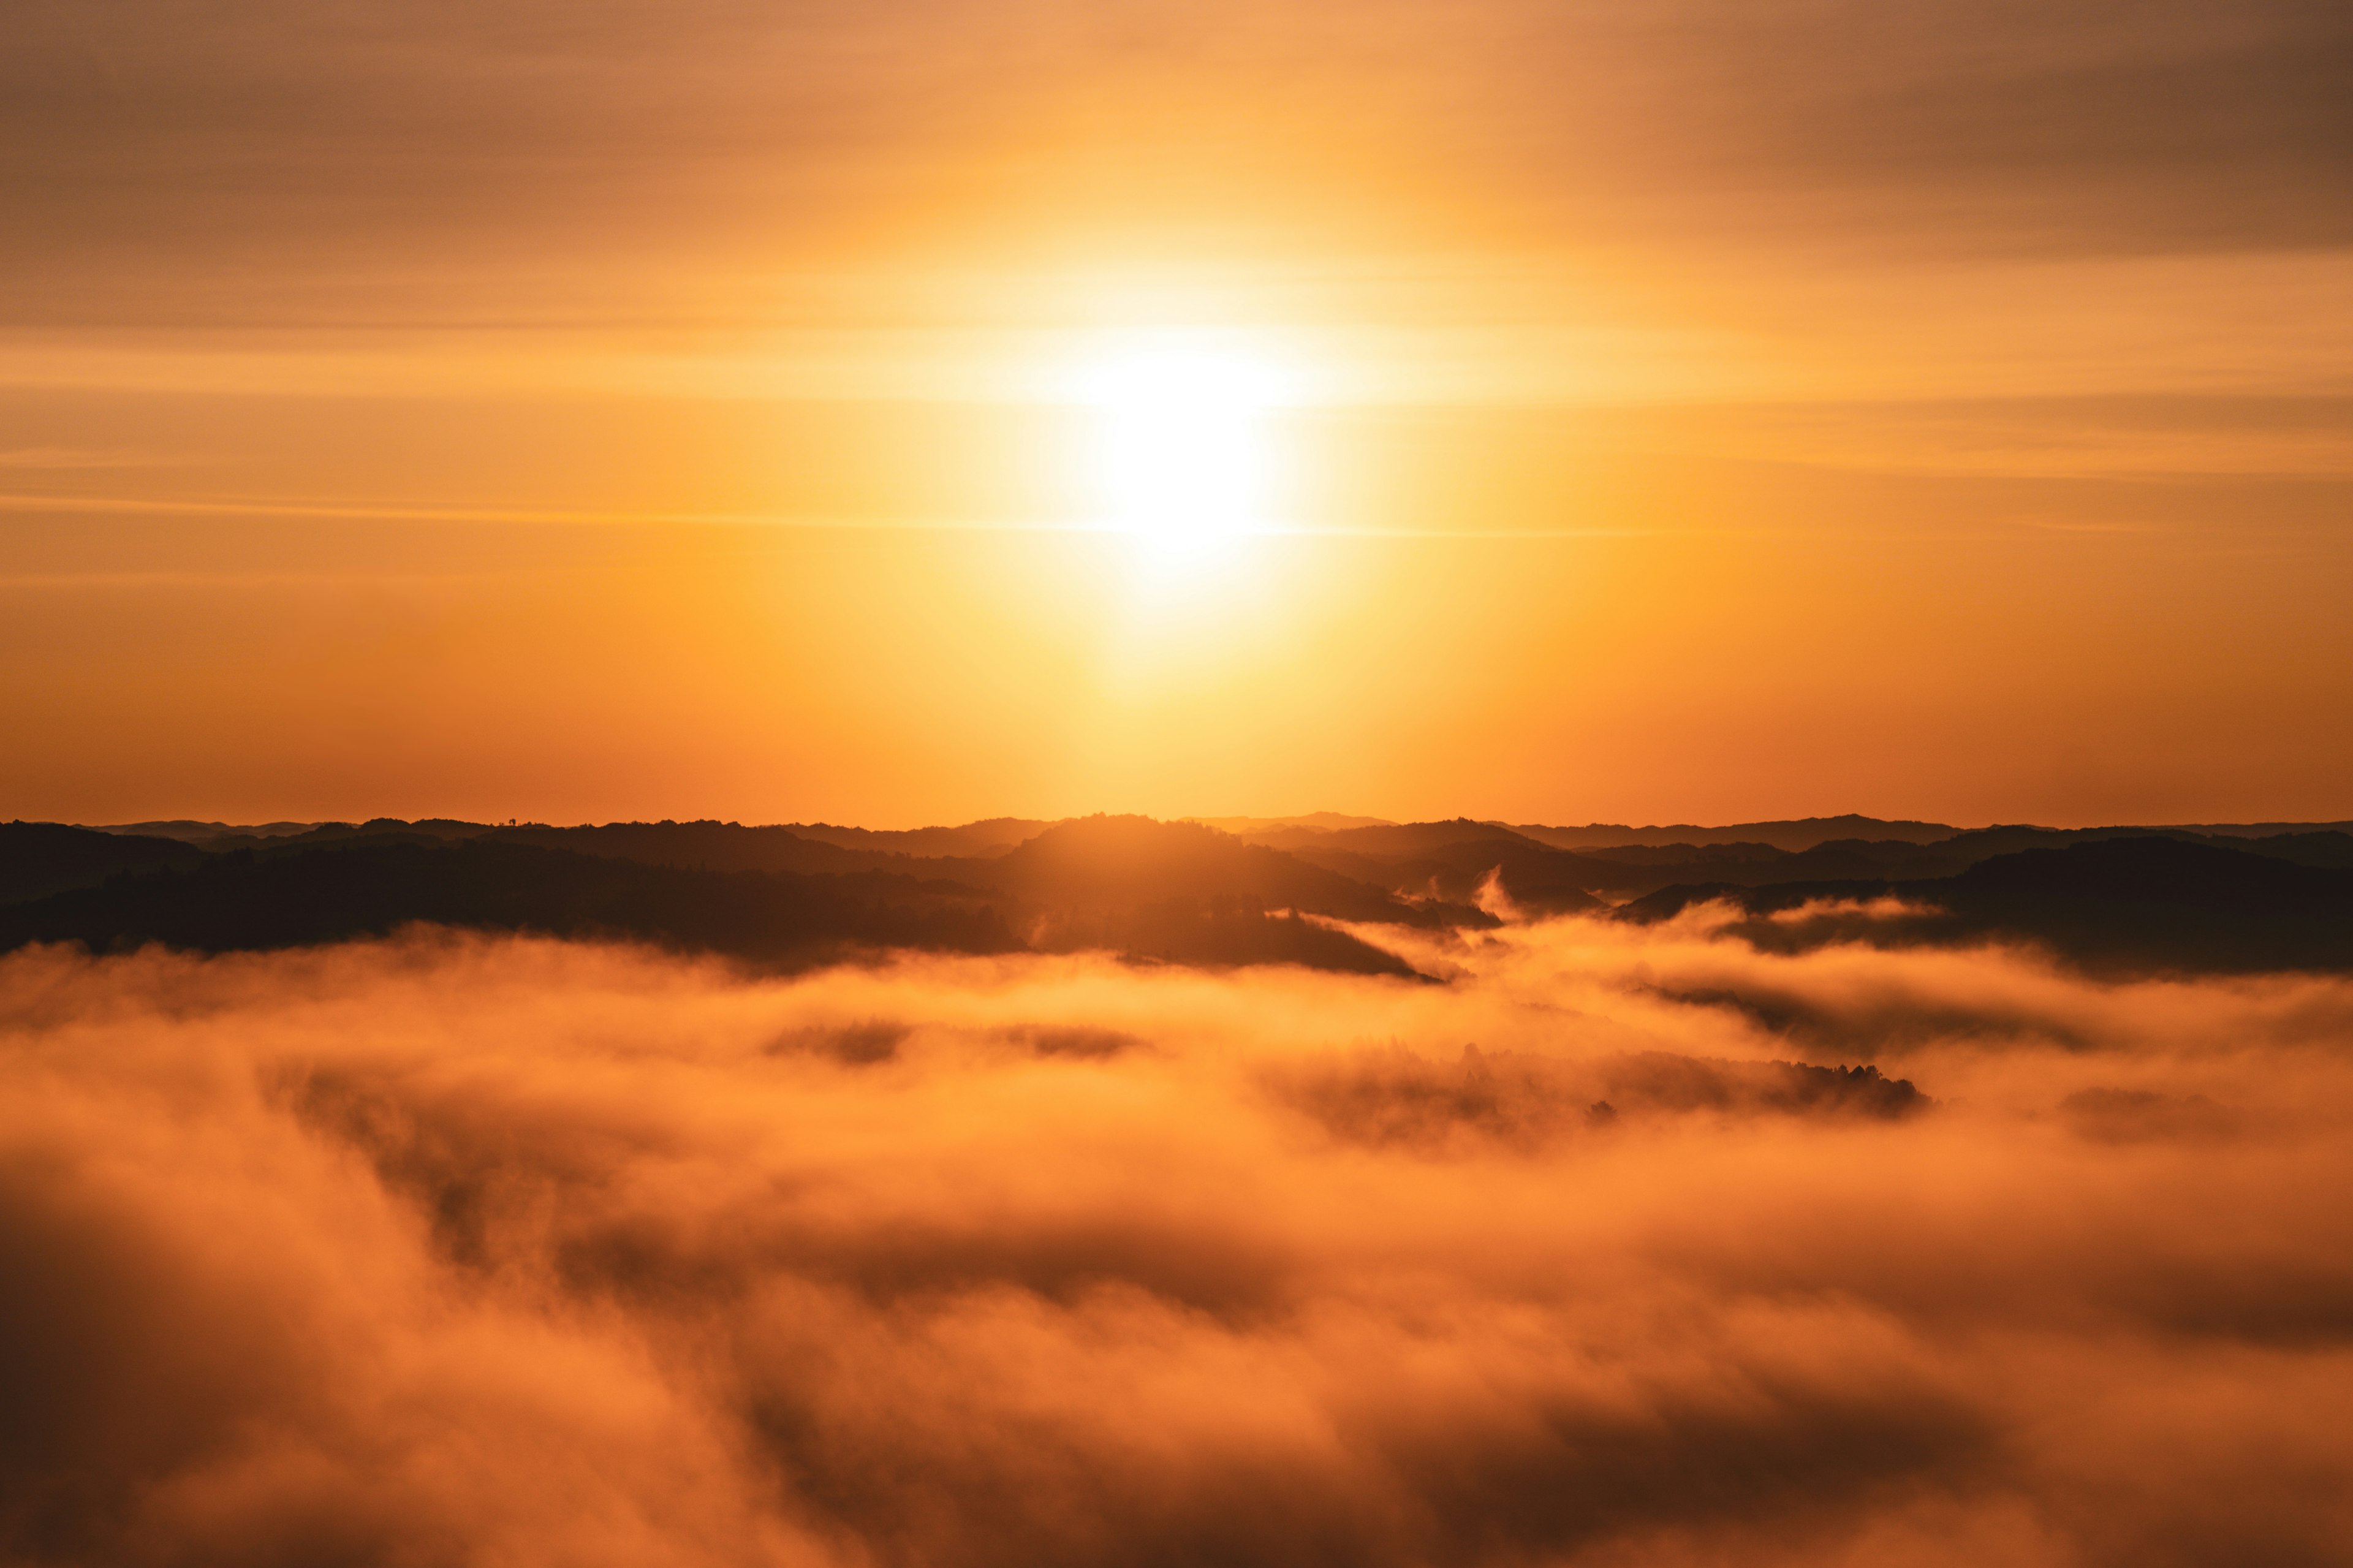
1181	448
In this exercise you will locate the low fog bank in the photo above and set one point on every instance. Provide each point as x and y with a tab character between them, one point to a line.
1629	1244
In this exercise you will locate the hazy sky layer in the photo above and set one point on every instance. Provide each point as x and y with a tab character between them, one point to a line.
1695	410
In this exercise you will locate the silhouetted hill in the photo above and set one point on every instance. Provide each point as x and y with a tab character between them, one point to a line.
1089	867
376	830
1644	868
1795	835
1389	838
1452	860
697	845
975	839
2332	849
1215	932
188	830
2115	905
1261	830
370	885
2110	898
41	857
1736	853
245	900
708	845
1096	864
1628	872
2311	847
1449	861
1401	839
1540	880
2257	829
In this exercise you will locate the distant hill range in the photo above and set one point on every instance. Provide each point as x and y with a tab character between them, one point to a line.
1224	891
2124	905
1792	836
1153	891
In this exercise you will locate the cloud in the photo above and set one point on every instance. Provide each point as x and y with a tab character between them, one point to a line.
432	162
457	1250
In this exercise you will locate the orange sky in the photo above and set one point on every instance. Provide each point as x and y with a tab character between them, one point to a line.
1699	410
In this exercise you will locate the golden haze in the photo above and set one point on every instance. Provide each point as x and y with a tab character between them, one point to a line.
470	1248
1701	412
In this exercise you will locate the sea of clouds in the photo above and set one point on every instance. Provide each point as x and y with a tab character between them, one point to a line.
468	1250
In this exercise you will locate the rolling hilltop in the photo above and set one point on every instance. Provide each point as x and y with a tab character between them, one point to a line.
1315	891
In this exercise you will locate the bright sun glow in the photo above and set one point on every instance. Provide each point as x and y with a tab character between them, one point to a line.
1181	447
